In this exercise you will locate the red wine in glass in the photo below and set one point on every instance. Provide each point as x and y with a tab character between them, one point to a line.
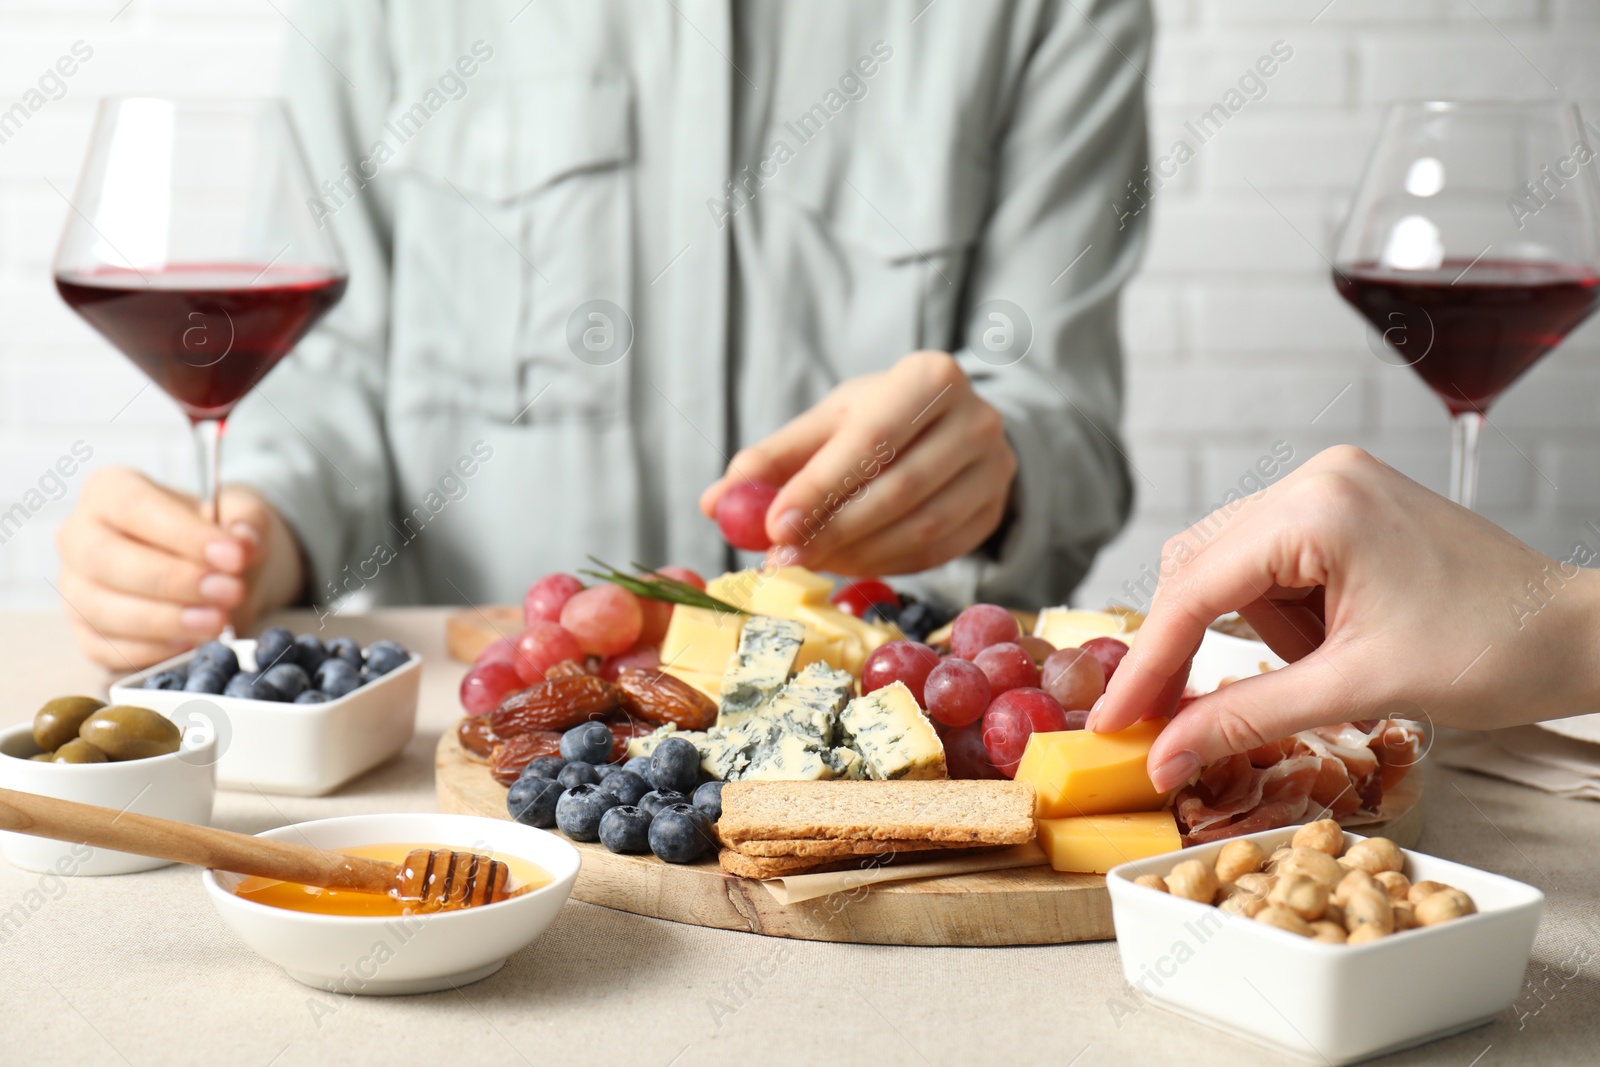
205	333
1471	329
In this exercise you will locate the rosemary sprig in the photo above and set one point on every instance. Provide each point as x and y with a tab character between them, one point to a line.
653	586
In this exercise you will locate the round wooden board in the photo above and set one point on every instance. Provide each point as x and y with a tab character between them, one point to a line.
1025	906
468	632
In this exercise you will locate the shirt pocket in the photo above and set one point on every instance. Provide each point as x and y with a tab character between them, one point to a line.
512	221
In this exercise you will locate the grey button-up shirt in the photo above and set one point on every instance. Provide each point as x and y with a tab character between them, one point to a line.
596	246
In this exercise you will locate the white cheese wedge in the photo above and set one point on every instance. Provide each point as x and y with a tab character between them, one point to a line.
1069	628
891	734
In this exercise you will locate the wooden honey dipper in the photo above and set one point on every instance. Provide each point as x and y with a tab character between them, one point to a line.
438	880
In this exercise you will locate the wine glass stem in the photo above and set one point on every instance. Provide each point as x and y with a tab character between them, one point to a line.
208	450
1464	431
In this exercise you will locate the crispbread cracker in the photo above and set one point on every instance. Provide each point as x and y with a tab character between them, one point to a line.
780	866
821	847
958	812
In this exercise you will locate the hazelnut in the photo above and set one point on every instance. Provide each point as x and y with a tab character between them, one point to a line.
1314	864
1324	835
1284	919
1446	904
1255	883
1333	913
1362	934
1368	907
1245	904
1192	880
1151	881
1301	895
1405	915
1394	883
1327	931
1239	858
1375	854
1424	888
1352	881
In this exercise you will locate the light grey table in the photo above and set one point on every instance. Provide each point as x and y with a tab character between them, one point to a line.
140	970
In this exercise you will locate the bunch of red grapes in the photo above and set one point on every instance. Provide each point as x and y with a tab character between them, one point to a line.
564	620
996	688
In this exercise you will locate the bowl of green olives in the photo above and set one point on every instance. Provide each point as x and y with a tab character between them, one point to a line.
118	756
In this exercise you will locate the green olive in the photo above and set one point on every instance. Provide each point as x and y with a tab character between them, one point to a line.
78	751
125	732
60	719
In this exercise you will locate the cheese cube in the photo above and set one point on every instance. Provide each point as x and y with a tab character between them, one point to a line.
1066	628
1093	844
708	683
760	666
699	639
892	736
830	620
1078	772
782	591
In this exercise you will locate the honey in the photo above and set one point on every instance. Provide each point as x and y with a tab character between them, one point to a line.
524	876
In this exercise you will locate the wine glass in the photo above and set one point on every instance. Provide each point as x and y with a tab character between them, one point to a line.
1472	247
190	247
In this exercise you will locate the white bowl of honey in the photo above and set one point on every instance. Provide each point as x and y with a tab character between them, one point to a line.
370	943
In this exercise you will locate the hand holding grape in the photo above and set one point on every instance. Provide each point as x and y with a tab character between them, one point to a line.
1385	598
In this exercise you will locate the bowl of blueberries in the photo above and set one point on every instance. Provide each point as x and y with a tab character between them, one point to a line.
660	804
292	715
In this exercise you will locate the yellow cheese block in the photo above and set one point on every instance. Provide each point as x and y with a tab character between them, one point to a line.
1093	844
779	593
701	640
840	653
1066	628
831	620
707	683
1078	772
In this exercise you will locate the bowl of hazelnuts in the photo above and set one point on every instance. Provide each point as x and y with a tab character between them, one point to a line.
1321	943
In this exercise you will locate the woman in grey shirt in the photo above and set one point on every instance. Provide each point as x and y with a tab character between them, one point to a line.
603	255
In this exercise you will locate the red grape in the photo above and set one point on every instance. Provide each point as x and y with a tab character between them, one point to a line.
958	693
1078	719
500	650
1037	647
964	754
654	616
546	597
899	661
641	655
857	596
1007	666
486	684
541	646
1109	651
742	515
682	574
1014	717
1074	677
979	627
606	619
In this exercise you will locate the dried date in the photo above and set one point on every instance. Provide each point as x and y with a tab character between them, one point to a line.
554	704
658	697
509	757
477	739
567	668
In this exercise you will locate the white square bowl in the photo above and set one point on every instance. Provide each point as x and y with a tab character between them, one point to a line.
1325	1003
298	749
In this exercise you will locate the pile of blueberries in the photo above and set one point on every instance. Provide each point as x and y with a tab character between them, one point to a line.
301	669
656	803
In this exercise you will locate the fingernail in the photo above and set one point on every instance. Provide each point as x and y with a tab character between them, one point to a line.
221	589
1175	771
224	555
246	533
792	526
206	621
1094	711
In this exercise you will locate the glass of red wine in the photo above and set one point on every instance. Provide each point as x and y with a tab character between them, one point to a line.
1473	248
190	248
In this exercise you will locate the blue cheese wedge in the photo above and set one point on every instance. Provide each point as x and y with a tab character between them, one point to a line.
791	736
892	736
760	667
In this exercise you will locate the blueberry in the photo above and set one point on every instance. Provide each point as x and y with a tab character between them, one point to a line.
312	696
172	678
577	773
675	765
386	656
625	786
251	687
657	799
346	649
708	798
205	678
626	828
309	652
920	619
606	770
544	767
532	801
680	833
219	656
639	765
337	678
882	611
590	742
287	678
273	647
579	810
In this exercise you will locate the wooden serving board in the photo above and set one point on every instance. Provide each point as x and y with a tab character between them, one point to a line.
1024	906
468	632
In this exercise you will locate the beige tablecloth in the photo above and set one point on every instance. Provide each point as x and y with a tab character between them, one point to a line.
139	969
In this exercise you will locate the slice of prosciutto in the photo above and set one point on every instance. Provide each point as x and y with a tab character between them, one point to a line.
1329	772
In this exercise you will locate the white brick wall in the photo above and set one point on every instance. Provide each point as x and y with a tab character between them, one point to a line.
1235	337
